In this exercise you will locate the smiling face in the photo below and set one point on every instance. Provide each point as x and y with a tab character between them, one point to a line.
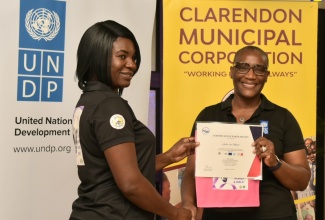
249	85
123	65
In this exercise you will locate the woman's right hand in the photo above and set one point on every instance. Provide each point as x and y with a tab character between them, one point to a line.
183	214
192	208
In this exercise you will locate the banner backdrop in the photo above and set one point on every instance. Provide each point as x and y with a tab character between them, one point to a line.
39	91
200	39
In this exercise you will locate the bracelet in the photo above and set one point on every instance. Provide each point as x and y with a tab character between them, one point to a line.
277	166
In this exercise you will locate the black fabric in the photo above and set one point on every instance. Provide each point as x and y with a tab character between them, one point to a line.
210	214
282	129
99	196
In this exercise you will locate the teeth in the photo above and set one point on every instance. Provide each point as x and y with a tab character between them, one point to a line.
248	84
126	74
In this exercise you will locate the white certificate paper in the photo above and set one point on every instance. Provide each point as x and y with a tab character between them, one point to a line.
226	150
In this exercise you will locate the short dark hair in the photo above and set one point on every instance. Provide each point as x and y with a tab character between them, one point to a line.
94	53
239	52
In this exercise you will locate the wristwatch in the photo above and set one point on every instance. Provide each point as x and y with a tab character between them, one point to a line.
277	166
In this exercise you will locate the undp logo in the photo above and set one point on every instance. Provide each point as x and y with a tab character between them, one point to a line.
42	24
41	51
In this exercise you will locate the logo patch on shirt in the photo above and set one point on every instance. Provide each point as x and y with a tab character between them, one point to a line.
117	121
265	125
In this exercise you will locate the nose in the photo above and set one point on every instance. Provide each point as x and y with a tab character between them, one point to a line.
131	64
250	73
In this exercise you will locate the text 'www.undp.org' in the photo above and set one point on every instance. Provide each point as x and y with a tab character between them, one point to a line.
43	149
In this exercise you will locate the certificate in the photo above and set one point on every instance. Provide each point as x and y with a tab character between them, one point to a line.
226	150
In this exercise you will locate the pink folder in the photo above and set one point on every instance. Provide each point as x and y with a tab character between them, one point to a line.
256	168
208	196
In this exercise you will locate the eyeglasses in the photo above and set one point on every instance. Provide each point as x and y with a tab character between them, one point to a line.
243	68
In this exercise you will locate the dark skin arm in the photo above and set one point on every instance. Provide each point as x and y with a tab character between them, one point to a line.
188	192
294	172
181	149
122	161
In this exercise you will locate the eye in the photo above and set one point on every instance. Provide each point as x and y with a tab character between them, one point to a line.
122	57
260	68
242	66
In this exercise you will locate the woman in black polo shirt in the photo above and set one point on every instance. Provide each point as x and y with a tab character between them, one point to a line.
116	154
282	149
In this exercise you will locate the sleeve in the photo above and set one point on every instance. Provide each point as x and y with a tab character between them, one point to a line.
112	123
293	138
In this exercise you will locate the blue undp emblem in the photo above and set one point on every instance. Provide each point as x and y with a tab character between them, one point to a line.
41	50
